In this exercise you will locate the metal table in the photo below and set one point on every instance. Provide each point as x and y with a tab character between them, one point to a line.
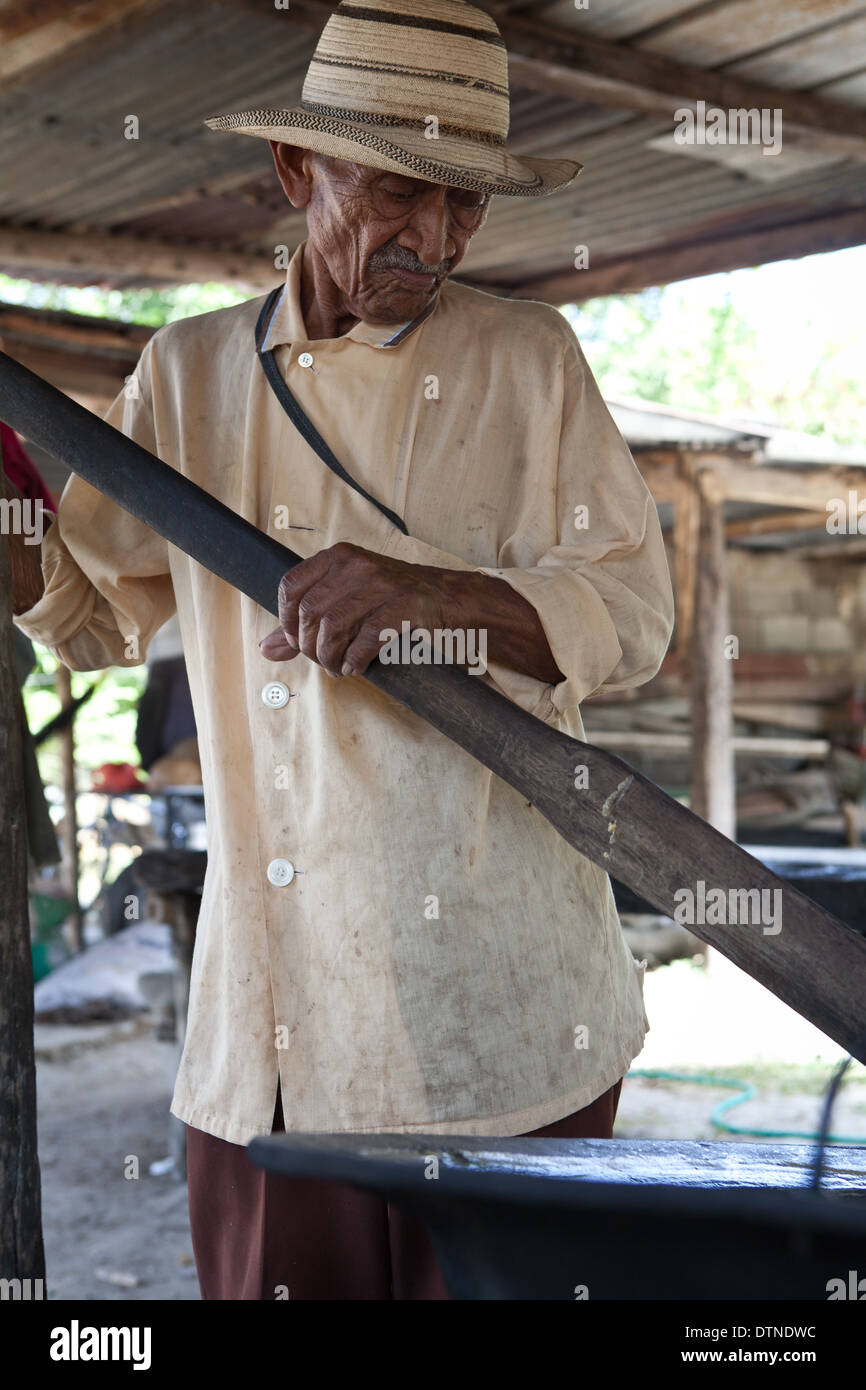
608	1218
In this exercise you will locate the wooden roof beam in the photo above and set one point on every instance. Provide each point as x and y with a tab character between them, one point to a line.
774	524
110	256
665	264
33	36
551	59
723	479
74	334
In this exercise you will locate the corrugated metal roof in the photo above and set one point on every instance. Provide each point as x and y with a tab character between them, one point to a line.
65	164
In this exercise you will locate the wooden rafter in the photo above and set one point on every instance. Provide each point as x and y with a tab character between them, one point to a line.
550	58
773	524
36	35
726	478
664	264
711	670
133	256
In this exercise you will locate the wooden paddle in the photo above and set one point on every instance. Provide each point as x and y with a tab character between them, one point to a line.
610	813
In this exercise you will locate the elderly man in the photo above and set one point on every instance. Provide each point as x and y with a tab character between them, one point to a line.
391	938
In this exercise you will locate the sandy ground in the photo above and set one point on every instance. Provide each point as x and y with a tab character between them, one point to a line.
101	1102
104	1089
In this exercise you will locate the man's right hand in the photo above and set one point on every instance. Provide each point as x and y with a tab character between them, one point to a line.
27	583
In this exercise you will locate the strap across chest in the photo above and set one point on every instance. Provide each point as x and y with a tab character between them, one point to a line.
303	424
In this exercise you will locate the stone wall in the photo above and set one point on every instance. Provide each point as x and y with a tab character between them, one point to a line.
781	602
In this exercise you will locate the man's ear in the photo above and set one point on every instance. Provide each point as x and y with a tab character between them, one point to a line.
294	171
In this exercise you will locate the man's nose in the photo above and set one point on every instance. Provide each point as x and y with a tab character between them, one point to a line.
428	234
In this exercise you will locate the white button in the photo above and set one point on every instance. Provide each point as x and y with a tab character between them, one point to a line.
280	872
275	694
306	359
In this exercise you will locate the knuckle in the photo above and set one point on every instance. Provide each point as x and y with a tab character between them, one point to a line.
329	628
336	619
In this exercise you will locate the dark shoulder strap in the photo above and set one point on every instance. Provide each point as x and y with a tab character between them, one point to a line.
303	424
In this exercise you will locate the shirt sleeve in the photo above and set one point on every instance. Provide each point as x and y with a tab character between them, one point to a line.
107	583
600	583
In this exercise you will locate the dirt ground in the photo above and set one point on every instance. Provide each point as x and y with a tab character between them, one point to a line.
101	1101
104	1090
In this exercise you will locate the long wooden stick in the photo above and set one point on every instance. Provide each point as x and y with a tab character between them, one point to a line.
607	811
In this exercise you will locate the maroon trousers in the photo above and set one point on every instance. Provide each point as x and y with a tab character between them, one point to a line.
257	1236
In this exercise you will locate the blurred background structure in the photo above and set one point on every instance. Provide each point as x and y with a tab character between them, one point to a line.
715	289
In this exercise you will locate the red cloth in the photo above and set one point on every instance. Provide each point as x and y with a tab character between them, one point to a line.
22	471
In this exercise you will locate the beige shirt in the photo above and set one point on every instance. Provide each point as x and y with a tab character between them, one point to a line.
441	959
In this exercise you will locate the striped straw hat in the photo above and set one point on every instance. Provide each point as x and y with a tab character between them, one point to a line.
418	87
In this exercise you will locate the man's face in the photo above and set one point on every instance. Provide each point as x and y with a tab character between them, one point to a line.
388	240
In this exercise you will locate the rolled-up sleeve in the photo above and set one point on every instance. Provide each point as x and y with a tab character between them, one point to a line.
601	587
107	583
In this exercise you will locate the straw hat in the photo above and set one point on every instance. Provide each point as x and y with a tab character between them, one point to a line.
419	87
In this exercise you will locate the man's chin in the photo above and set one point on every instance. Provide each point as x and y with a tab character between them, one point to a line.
396	302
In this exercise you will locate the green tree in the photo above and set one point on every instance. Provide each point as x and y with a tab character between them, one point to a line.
669	346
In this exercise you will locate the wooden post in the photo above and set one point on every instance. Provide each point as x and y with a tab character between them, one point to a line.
685	538
713	778
70	818
21	1250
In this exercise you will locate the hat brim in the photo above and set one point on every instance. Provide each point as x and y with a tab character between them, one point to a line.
453	160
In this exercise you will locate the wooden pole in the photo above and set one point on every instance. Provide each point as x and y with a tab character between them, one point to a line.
131	255
21	1251
713	778
70	818
685	540
653	741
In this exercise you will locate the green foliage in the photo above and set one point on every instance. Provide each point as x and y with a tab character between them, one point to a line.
673	347
104	726
147	306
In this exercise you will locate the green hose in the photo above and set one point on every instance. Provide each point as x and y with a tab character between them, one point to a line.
746	1092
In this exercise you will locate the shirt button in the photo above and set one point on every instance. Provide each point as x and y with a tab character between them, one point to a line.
306	359
275	694
280	872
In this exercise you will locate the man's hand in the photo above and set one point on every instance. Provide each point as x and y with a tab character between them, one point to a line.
334	606
26	561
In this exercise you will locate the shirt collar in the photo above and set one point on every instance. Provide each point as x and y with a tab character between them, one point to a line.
287	321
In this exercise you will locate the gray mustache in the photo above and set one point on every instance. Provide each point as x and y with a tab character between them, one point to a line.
401	258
